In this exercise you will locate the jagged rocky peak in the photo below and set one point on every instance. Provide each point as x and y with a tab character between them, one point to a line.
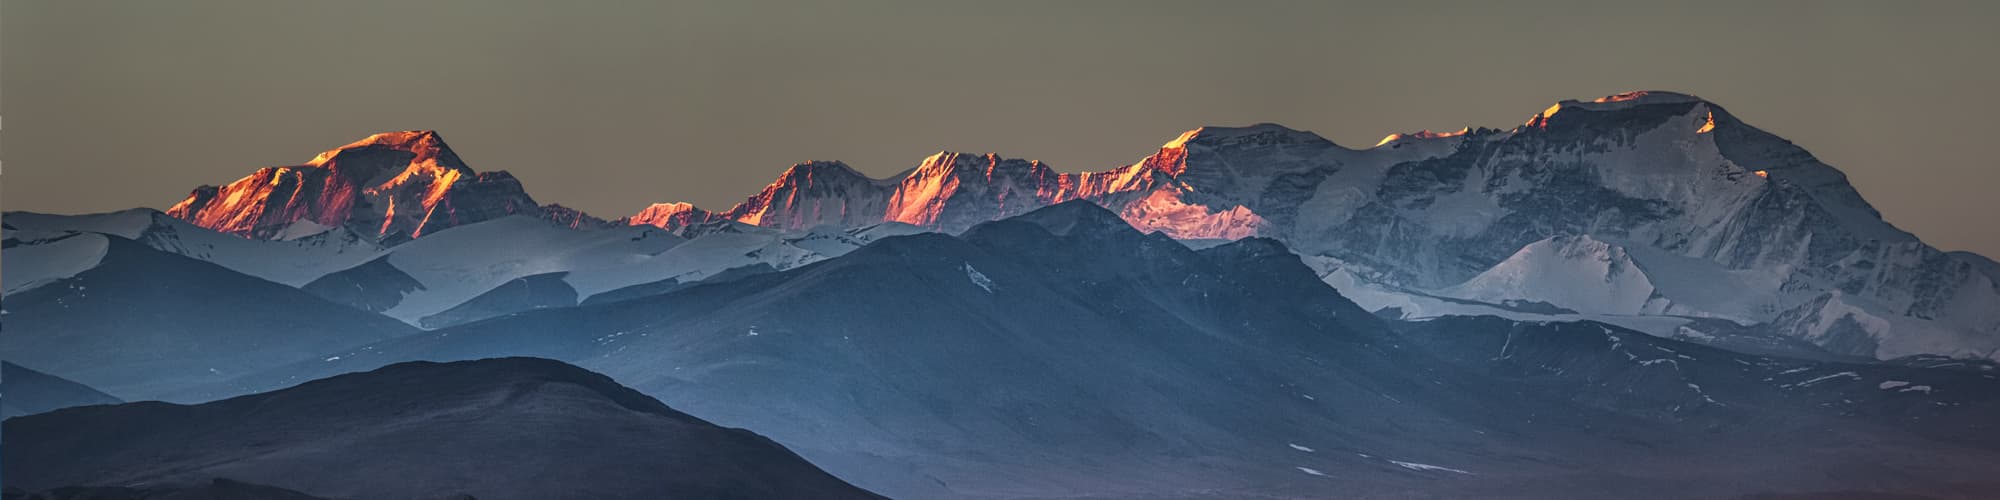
989	165
393	185
671	216
820	171
385	153
955	190
813	193
573	218
1215	157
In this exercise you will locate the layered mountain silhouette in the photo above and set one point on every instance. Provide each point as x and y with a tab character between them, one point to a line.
145	324
1677	180
1064	353
1635	296
491	429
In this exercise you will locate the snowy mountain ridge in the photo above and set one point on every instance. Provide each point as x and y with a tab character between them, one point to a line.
1669	176
1721	219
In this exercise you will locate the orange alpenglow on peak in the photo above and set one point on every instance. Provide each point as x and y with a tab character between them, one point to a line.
952	191
1625	100
1623	96
1181	142
1261	132
671	216
422	142
1010	185
1423	134
1646	97
394	185
1541	120
1761	173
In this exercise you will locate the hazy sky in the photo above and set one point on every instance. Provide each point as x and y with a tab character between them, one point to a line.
610	106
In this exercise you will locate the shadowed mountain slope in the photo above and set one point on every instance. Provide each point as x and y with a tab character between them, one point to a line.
516	428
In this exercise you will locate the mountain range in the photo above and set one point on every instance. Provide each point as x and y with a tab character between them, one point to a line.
1710	217
1638	296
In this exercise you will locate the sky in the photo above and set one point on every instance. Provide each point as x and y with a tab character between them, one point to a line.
610	106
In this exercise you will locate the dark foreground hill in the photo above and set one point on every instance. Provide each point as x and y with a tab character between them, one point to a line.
219	489
514	428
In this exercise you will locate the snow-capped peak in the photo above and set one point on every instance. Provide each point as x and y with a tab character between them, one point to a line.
395	185
427	145
1262	133
671	216
1578	273
670	208
1614	102
809	172
1642	97
1423	134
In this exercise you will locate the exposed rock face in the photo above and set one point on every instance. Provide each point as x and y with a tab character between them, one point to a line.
814	193
395	185
573	218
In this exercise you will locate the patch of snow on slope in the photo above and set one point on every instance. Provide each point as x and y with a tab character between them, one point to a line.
1701	287
826	240
293	262
979	278
1414	306
1425	467
1824	378
33	264
300	229
704	257
1572	272
459	263
1857	325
